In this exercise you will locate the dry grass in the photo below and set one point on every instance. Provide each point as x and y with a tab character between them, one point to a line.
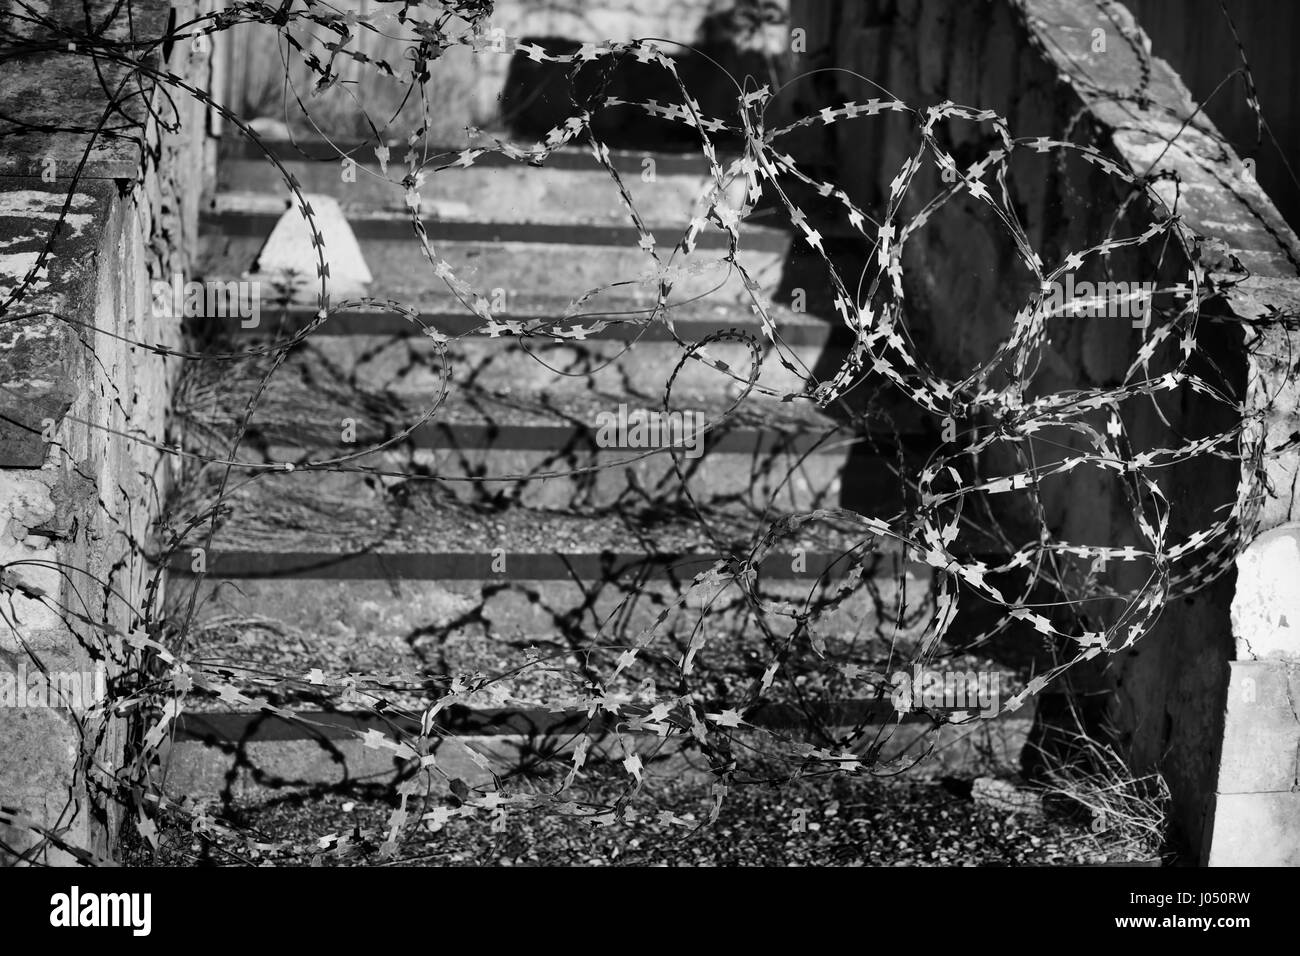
1128	811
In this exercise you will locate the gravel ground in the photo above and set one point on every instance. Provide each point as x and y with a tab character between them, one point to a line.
827	821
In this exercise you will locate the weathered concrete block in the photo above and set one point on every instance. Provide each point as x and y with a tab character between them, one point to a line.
1261	740
1256	829
41	355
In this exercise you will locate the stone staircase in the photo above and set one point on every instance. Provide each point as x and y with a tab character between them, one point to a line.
537	540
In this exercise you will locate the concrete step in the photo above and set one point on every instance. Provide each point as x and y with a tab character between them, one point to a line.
255	214
405	364
208	767
420	633
318	524
549	449
517	258
280	660
403	642
233	755
570	186
505	730
293	587
538	579
636	368
425	582
304	576
528	315
535	290
513	194
632	351
219	756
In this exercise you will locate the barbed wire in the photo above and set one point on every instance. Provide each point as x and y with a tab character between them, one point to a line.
973	510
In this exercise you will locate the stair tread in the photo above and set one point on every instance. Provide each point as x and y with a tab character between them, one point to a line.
285	661
308	400
264	661
435	630
623	272
490	193
285	515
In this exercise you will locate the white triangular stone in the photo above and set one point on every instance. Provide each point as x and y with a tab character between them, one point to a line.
289	251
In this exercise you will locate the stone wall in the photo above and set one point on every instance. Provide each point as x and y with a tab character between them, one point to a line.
81	411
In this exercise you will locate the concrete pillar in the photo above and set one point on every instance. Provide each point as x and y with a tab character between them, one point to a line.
1256	816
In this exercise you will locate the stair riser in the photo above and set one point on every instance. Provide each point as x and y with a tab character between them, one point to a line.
517	268
209	772
486	194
